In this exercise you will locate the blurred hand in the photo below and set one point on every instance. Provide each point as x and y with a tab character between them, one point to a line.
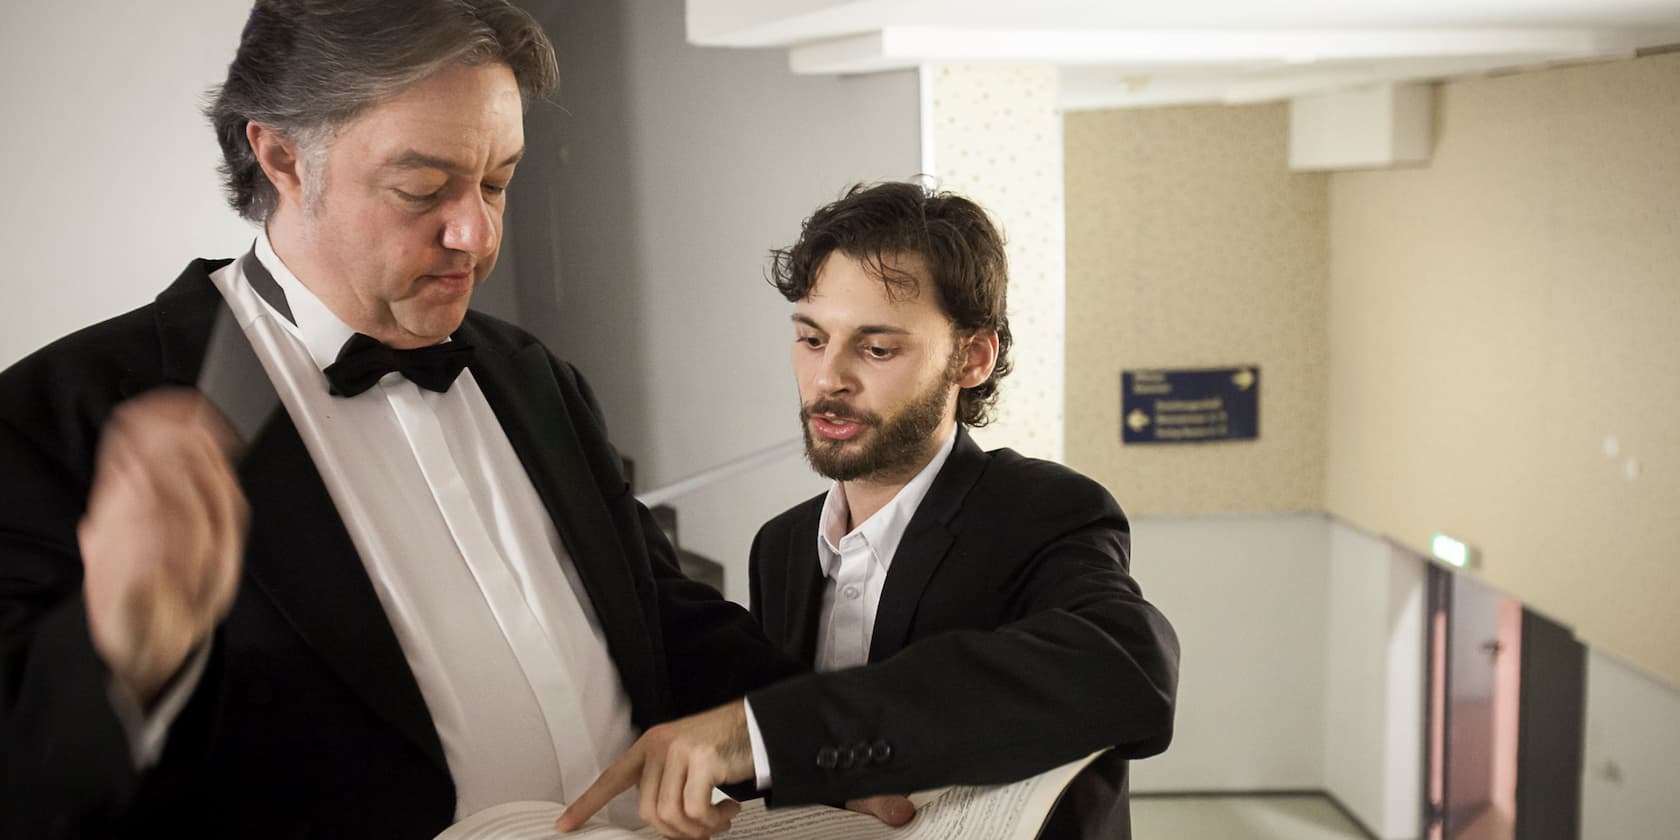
163	536
891	809
676	765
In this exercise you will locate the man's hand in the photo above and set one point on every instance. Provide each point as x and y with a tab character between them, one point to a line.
162	538
677	764
892	809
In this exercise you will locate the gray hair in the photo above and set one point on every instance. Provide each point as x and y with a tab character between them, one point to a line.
306	67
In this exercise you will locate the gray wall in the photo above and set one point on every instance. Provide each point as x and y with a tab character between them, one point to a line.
109	165
652	190
110	171
1249	597
1631	752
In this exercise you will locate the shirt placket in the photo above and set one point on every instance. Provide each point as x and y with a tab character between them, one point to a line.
850	585
547	670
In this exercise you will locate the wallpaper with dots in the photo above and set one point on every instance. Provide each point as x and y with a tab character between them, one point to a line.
996	137
1486	345
1190	244
1505	345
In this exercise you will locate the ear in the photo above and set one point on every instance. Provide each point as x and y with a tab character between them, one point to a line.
980	353
281	160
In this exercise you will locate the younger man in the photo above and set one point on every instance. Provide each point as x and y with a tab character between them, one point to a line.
987	593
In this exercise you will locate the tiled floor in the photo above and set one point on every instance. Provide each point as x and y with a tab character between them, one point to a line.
1240	818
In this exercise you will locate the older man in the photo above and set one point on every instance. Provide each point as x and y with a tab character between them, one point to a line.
422	586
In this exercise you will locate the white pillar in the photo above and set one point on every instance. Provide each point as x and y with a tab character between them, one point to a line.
992	132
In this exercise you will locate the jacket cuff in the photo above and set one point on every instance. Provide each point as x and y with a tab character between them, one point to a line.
147	731
817	759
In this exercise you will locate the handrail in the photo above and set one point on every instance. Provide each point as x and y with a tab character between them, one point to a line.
683	487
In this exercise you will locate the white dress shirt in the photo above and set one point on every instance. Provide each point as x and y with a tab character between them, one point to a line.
483	598
855	565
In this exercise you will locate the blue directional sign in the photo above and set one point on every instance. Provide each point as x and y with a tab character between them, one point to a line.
1199	405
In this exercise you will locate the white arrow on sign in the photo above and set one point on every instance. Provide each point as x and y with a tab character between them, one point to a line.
1138	420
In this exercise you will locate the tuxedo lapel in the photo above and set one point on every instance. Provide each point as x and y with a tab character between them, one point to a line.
527	401
185	313
297	551
926	541
805	580
301	556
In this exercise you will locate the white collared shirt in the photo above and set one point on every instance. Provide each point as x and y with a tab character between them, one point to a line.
484	600
856	565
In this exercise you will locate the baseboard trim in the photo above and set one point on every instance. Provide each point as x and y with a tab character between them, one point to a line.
1352	817
1226	792
1268	793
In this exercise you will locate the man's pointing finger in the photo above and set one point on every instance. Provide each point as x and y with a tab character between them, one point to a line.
615	780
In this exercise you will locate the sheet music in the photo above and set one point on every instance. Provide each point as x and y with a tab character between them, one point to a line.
530	821
990	812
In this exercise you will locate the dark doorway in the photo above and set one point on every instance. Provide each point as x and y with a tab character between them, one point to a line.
1506	690
1474	712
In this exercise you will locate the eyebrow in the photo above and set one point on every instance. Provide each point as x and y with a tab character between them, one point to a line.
867	329
412	159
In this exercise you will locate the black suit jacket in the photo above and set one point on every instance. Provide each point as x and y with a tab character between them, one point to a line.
1009	639
308	721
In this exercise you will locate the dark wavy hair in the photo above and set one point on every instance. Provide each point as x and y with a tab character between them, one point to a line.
305	67
958	244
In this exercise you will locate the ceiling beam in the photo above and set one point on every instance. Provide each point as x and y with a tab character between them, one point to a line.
904	46
1299	84
770	23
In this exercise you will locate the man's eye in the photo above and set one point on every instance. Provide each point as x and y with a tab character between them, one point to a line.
495	189
413	198
809	341
879	352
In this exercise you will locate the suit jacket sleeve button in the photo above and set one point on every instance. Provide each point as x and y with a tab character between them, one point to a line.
828	758
848	757
880	752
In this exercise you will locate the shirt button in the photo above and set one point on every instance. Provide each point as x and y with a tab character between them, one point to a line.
851	591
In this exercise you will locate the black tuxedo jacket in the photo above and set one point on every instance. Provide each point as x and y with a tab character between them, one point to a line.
1009	639
307	721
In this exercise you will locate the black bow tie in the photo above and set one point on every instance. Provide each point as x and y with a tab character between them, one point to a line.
363	361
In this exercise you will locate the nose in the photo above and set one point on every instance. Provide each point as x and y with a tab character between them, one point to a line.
473	226
833	374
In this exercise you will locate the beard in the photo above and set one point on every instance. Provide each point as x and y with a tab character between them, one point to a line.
885	449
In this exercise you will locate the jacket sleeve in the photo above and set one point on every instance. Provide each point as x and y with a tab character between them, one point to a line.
64	756
1082	662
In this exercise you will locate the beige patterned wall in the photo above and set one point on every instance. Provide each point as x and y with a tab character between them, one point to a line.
1189	244
1495	317
993	133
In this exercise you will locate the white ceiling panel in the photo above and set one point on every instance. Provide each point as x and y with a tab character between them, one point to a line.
1144	53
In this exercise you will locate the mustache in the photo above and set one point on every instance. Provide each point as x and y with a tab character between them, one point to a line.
837	408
